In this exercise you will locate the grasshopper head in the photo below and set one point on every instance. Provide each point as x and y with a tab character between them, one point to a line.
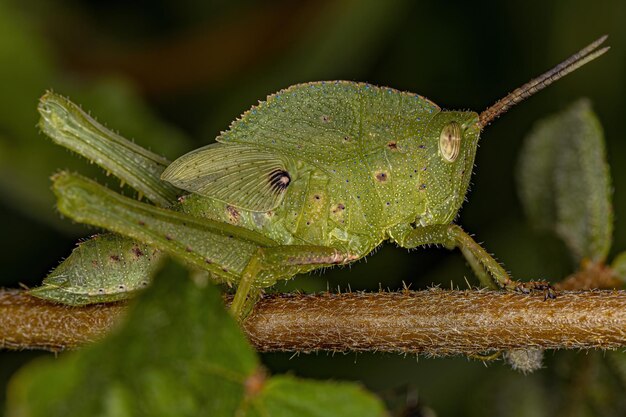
452	139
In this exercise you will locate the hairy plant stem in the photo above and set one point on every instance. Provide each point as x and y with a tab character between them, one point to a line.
432	322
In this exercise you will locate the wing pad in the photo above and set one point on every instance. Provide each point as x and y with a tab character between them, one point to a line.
240	175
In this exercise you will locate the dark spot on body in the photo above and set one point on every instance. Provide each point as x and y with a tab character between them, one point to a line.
114	258
168	237
388	203
224	269
279	180
308	223
144	283
422	187
325	118
393	145
188	249
233	214
422	146
317	197
346	138
121	287
207	261
381	176
100	290
339	208
137	252
94	263
141	223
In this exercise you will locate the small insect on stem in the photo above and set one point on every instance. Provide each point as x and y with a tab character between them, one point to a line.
535	85
291	187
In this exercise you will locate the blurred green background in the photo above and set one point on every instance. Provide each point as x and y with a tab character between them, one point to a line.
172	75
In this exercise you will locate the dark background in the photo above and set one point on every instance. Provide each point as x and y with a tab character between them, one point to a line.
172	75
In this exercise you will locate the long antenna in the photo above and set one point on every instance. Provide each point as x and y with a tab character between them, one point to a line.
535	85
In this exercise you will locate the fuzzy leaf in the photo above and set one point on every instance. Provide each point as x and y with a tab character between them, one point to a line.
564	181
179	353
285	396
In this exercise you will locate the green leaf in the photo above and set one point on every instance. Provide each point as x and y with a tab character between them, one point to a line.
179	353
564	181
619	266
285	396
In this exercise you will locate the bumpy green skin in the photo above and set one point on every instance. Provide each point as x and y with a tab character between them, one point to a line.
364	166
217	247
104	268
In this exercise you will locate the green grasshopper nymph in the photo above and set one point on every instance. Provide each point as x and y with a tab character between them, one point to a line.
317	175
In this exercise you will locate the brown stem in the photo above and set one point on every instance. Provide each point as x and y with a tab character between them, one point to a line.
434	322
30	323
439	322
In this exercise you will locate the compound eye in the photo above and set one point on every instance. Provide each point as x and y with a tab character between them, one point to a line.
450	141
